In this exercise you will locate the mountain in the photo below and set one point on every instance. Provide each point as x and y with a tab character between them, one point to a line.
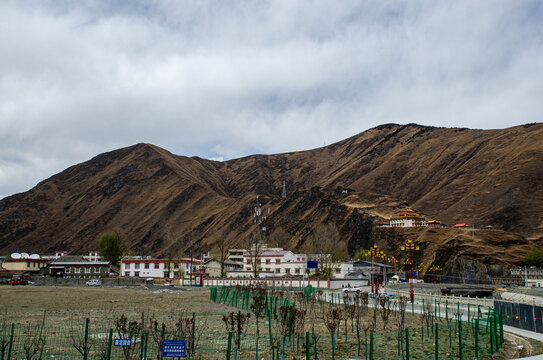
164	204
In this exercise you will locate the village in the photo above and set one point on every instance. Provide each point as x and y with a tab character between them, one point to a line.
245	266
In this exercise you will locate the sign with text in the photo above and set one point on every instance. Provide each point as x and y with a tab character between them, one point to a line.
312	264
122	342
174	348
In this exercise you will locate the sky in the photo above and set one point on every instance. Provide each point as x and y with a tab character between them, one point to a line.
225	79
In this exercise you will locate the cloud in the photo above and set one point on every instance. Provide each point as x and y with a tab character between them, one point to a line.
223	80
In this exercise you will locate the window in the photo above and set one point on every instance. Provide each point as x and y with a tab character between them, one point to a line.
96	269
338	271
278	261
67	270
268	269
137	273
147	265
136	266
87	270
249	268
268	261
277	271
77	270
297	271
126	273
287	270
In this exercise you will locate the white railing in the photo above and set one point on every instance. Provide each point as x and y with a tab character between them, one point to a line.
452	299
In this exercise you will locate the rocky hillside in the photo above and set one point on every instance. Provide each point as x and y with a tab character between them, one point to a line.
165	204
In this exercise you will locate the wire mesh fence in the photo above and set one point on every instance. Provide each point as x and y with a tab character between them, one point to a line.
276	337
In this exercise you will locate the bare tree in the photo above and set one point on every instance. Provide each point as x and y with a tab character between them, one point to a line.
159	333
80	340
4	334
331	320
326	244
384	303
127	330
219	251
400	323
235	324
258	307
187	328
35	339
280	238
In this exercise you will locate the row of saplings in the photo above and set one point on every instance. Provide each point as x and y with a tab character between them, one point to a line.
304	322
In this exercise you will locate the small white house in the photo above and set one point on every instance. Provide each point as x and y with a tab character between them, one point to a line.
157	268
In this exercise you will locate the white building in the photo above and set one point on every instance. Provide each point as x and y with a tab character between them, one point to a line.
407	218
93	256
343	269
157	268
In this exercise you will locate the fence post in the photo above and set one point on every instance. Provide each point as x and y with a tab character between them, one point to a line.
109	341
192	335
10	341
460	339
501	328
407	343
307	356
229	346
436	337
86	338
491	326
142	334
371	345
476	338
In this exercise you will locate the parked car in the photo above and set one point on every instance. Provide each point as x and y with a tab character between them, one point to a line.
352	289
94	282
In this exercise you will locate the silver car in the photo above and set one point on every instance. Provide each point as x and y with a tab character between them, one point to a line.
94	282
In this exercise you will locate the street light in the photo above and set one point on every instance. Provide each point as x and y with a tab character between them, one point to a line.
409	246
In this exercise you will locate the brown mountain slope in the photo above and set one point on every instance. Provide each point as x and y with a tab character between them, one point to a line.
165	203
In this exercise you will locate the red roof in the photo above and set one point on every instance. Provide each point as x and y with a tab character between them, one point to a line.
461	225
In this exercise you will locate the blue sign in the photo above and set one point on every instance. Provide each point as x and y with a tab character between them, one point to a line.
312	264
413	273
122	342
174	348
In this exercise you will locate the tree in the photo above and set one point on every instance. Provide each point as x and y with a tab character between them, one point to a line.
219	252
111	248
280	238
326	243
362	254
534	257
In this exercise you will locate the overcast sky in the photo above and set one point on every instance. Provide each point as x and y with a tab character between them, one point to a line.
224	79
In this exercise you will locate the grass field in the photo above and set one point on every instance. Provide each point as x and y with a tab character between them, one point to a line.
27	303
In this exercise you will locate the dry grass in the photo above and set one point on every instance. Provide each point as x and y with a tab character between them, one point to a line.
27	303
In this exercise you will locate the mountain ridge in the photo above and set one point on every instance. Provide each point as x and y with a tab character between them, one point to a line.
166	203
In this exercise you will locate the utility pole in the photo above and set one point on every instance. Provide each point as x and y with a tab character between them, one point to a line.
257	242
284	194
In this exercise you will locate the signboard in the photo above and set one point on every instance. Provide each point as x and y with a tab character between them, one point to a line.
312	264
413	273
174	348
122	342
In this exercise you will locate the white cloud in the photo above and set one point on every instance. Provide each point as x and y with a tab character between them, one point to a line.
227	79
